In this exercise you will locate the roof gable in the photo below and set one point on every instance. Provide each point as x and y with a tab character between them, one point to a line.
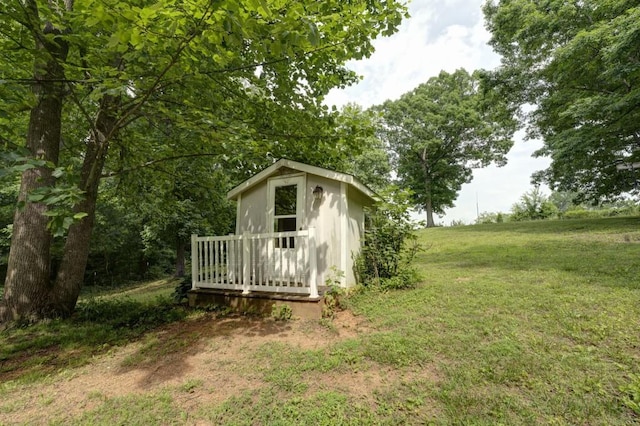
294	165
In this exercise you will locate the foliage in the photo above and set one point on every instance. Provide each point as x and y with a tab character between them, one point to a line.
521	323
124	86
59	199
334	294
578	63
580	212
281	312
533	205
406	277
8	199
390	244
492	217
564	200
182	289
440	131
127	312
370	162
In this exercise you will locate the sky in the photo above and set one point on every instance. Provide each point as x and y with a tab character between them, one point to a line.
444	35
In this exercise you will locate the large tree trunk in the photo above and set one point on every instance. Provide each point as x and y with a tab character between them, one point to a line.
27	284
428	204
428	207
76	249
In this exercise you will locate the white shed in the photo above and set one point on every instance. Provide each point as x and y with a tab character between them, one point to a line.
297	225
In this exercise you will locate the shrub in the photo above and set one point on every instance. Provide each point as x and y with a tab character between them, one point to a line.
390	244
407	277
180	293
281	312
533	205
333	294
490	217
580	213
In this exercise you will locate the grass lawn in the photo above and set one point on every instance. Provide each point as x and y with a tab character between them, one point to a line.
527	323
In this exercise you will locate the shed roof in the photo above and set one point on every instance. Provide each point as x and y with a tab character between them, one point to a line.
295	165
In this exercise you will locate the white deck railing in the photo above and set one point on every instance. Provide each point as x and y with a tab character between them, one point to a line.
280	262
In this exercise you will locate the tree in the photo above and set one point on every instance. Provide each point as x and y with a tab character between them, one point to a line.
578	65
370	162
533	205
390	243
564	200
88	71
440	131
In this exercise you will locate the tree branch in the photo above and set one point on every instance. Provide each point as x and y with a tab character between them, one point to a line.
159	160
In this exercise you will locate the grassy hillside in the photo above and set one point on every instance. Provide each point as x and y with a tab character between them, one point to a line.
523	323
533	322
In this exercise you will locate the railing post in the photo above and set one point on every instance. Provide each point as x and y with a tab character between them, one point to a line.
194	260
313	266
246	259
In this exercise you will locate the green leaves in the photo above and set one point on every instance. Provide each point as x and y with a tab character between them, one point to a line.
60	201
579	63
242	80
441	130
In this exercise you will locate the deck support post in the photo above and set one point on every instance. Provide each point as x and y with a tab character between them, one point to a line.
313	266
246	262
194	261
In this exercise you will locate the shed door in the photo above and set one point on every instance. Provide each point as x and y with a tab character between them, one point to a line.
286	208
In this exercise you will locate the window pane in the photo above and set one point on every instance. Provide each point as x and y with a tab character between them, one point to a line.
285	202
285	224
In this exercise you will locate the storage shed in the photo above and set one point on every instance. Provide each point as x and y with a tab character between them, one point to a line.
297	225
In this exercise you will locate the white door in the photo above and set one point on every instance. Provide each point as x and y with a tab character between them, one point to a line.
286	211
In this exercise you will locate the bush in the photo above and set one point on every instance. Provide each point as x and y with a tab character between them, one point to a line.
580	213
533	205
180	293
408	277
390	244
334	293
282	312
490	217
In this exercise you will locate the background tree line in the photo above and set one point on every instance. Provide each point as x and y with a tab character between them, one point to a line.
536	205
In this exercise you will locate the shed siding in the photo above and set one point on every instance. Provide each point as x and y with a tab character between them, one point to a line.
355	232
334	217
252	213
324	215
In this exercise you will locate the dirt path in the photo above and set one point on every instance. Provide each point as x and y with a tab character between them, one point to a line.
216	353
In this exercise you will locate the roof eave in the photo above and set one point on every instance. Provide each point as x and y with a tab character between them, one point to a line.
314	170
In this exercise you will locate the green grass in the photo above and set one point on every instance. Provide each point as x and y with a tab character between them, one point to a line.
517	323
102	320
535	322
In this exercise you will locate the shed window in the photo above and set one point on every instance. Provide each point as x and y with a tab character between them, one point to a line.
285	208
285	202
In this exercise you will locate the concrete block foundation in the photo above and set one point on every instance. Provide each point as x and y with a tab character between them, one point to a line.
257	303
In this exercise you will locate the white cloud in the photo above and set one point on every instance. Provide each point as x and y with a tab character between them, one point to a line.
443	35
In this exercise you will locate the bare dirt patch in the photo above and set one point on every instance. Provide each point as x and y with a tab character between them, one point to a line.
203	360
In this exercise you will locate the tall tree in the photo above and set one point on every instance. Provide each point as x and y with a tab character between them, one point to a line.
233	65
575	66
440	131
